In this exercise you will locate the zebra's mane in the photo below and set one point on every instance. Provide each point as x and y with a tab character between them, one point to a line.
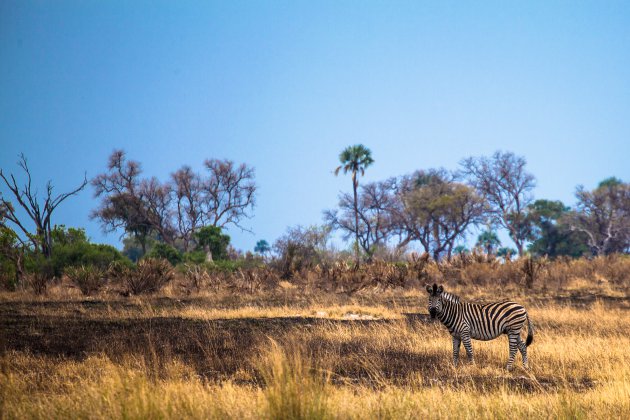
450	297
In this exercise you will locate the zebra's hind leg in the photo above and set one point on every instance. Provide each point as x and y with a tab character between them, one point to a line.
468	346
456	344
513	339
523	349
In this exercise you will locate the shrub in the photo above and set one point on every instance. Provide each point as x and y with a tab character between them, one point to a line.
254	279
38	281
71	248
231	266
84	254
301	249
149	276
40	271
195	257
166	252
196	277
88	279
7	273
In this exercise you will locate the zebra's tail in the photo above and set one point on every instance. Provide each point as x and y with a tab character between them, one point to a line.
530	332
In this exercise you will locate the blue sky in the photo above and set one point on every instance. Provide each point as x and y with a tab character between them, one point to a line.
285	86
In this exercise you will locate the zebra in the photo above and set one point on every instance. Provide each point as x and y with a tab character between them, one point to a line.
466	321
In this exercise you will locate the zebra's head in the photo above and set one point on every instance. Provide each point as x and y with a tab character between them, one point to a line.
435	299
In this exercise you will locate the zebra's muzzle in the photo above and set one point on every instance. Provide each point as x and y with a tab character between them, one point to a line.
433	312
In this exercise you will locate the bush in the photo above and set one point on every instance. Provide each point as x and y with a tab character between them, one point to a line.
166	252
38	281
231	266
89	279
40	271
85	254
7	273
195	257
149	275
301	249
196	277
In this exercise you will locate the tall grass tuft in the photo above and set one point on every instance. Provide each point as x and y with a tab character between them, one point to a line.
294	387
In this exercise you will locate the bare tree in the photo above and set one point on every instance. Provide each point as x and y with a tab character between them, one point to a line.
123	203
506	185
187	191
301	247
157	198
229	193
373	211
604	216
40	213
175	210
123	176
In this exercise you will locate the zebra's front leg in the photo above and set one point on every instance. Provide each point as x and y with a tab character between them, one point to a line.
456	344
468	346
513	338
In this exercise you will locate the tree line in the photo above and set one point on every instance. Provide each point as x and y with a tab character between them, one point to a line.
437	208
184	217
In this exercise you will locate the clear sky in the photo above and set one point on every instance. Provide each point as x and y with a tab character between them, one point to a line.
285	86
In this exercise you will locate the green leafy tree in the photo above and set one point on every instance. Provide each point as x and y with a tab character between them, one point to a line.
437	211
550	234
166	252
68	236
132	248
71	248
355	159
211	240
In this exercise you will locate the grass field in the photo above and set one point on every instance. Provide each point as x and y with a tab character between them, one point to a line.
294	355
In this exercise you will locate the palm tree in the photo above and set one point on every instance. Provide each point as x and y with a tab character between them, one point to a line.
488	240
262	247
355	159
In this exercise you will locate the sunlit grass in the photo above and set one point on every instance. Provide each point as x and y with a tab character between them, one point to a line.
398	369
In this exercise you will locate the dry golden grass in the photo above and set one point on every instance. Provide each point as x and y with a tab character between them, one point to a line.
298	352
297	356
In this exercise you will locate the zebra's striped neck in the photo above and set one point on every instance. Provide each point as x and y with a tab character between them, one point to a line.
449	312
446	296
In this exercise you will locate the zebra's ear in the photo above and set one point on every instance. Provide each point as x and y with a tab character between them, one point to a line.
429	289
440	289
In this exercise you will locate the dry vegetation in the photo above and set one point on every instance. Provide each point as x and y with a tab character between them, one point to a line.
294	349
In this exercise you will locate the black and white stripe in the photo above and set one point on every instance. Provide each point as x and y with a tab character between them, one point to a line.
466	321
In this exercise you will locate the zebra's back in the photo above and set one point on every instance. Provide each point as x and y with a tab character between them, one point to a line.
489	321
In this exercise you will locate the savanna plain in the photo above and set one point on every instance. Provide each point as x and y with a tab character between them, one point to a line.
298	351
